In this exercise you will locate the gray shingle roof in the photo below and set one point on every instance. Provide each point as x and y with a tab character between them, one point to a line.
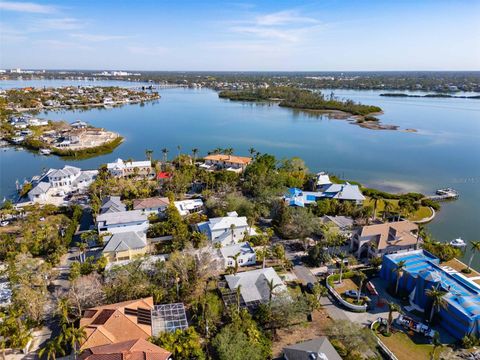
125	241
232	250
112	204
254	285
41	188
315	349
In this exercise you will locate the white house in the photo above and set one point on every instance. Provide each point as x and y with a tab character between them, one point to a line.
153	205
189	206
121	168
61	182
246	254
226	230
123	221
323	180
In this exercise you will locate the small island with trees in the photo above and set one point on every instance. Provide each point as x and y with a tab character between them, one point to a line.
307	100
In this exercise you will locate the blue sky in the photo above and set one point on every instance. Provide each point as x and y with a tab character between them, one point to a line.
237	35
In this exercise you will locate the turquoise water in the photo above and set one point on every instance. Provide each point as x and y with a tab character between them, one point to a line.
445	150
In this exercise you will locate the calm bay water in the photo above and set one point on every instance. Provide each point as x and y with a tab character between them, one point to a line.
445	150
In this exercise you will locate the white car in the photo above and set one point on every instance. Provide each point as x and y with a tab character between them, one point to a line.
4	223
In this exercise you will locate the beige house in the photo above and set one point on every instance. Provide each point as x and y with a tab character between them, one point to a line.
380	239
226	162
125	246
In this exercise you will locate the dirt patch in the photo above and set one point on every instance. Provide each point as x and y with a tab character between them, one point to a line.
458	265
302	332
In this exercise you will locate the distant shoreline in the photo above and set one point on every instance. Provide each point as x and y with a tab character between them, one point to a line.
448	96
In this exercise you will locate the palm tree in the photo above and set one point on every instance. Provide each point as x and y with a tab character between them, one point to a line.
82	248
399	271
179	148
148	154
266	241
238	294
165	154
51	349
361	278
391	308
376	198
271	287
73	336
194	154
342	266
235	259
63	310
436	294
228	151
252	151
436	344
387	209
232	231
475	248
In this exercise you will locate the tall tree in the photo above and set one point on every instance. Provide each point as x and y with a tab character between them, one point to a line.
51	349
165	154
194	154
148	154
271	290
361	279
399	272
475	247
391	308
436	296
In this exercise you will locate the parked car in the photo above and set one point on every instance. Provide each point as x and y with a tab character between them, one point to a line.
353	294
4	223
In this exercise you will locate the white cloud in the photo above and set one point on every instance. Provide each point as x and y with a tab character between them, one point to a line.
58	44
27	7
287	25
98	37
284	18
58	24
147	50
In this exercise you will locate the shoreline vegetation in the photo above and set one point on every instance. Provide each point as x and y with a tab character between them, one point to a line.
403	95
306	100
73	154
77	140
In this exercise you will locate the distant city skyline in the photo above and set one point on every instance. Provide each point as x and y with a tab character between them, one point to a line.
280	35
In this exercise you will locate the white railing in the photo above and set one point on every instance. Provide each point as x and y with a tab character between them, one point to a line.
384	347
353	307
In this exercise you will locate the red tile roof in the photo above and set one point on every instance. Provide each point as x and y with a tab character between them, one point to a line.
137	349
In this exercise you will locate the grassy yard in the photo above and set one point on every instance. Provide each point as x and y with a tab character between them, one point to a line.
405	349
347	284
422	213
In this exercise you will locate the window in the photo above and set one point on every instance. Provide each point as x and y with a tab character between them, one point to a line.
240	261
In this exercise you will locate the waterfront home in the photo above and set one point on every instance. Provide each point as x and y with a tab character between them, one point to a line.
125	246
154	205
112	204
245	255
79	124
226	162
340	192
37	122
254	285
461	314
323	181
189	206
316	349
113	323
123	221
137	349
388	238
226	230
121	168
60	182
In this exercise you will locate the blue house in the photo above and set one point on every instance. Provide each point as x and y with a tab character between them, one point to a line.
341	192
461	315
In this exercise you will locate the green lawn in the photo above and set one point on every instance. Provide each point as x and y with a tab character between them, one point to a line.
422	213
405	349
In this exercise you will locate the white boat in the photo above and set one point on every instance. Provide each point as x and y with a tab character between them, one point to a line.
45	151
458	243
